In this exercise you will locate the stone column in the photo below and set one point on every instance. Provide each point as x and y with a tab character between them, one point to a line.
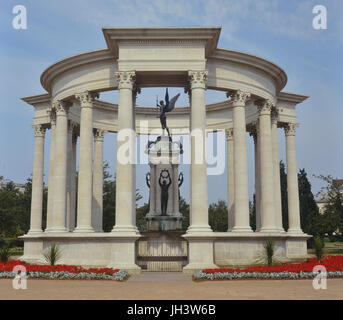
84	197
69	219
73	183
50	205
37	181
230	179
199	234
60	167
175	188
239	99
255	134
199	212
276	172
292	180
125	168
98	180
266	164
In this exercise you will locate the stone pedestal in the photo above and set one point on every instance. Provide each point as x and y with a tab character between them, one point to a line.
164	159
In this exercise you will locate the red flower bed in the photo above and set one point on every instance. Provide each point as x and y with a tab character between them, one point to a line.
8	267
331	263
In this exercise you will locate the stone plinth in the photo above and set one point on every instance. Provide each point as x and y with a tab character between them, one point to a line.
85	249
163	159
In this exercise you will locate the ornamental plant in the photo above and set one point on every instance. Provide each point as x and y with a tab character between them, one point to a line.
4	254
269	247
318	244
62	272
332	263
53	254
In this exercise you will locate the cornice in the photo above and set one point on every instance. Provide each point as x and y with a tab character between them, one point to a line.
267	66
37	99
69	63
290	97
209	35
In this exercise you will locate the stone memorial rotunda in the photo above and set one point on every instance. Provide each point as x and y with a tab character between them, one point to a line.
137	58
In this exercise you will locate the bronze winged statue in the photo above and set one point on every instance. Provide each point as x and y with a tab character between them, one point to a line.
166	106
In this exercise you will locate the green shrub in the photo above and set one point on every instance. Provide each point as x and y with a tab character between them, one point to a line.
53	254
15	242
2	242
318	245
4	254
269	247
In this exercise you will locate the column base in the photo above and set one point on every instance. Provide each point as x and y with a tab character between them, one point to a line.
199	229
125	230
269	230
57	230
200	252
84	229
192	267
295	231
37	231
241	229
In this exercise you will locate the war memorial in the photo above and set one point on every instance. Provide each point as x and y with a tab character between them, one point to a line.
189	59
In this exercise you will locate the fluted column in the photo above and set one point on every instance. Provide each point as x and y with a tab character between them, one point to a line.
199	197
292	180
266	165
98	180
242	223
85	194
73	182
125	170
50	205
37	181
69	218
60	167
255	135
230	179
276	173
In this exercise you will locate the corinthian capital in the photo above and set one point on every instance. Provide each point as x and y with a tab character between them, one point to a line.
52	114
238	97
275	115
264	107
290	128
125	79
61	107
229	134
39	130
86	98
197	79
99	135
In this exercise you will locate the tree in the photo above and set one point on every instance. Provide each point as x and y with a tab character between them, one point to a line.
309	211
109	198
332	217
141	212
184	210
218	217
284	200
252	213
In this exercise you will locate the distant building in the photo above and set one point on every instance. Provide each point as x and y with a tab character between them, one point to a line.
322	201
19	186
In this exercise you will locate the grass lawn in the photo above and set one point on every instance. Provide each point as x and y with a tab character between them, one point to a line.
16	251
332	248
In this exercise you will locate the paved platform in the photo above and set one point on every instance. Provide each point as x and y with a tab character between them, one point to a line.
162	286
162	277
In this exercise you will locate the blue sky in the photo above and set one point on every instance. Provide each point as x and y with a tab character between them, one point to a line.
280	31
